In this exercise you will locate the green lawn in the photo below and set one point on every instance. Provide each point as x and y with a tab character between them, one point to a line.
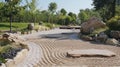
18	26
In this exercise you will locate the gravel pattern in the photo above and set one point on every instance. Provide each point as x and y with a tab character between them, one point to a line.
53	51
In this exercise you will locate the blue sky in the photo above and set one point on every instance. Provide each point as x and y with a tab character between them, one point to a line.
70	5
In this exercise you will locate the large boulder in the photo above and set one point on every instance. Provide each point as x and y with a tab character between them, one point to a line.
115	34
5	36
40	23
92	24
30	26
112	41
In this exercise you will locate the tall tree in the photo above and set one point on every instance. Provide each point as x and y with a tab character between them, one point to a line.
106	8
32	9
73	17
84	15
52	8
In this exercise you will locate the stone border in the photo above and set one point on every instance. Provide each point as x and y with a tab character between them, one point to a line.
26	57
19	57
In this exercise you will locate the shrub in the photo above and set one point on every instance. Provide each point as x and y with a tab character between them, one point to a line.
114	23
36	28
99	30
4	42
49	25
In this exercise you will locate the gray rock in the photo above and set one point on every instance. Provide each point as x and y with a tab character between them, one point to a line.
115	34
86	38
102	37
5	36
92	24
112	41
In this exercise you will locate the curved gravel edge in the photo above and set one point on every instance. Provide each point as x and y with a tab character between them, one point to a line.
33	57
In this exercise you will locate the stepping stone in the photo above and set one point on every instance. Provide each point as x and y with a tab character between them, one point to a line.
90	53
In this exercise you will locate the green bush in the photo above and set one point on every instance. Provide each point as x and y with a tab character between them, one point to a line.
114	23
2	60
5	49
97	31
4	42
49	25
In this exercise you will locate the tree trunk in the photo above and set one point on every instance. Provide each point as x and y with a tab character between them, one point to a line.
10	23
114	8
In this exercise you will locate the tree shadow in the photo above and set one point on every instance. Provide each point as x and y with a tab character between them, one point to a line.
4	25
61	36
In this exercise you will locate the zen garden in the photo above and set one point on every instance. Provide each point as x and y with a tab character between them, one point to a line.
59	33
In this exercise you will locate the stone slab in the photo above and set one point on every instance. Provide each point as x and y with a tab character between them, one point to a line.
90	53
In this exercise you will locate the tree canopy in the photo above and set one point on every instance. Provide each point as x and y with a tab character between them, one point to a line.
107	9
63	11
52	7
11	9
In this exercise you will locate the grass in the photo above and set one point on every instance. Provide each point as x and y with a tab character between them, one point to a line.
50	25
3	49
15	26
18	26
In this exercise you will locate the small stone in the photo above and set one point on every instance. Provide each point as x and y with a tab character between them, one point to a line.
86	38
112	41
5	36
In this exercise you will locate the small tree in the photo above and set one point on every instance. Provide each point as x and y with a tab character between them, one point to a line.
84	15
73	17
12	9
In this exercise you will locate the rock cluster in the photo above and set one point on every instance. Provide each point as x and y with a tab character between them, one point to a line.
13	37
101	38
94	23
115	34
12	52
